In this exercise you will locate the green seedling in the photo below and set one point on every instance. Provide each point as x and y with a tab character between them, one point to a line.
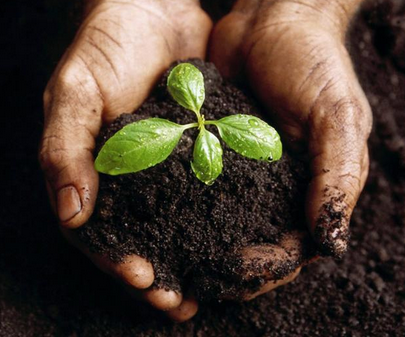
148	142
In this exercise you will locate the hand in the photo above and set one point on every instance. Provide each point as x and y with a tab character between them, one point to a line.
292	53
118	54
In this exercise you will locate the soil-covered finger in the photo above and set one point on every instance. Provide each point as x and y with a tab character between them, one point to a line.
185	311
339	128
274	262
271	285
265	266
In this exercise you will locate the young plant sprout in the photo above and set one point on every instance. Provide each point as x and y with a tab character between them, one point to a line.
148	142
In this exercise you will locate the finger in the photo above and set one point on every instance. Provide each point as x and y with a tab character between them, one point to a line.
274	265
225	46
162	299
271	285
339	126
186	310
366	167
134	271
72	119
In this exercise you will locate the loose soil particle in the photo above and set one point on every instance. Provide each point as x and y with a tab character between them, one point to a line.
49	289
191	232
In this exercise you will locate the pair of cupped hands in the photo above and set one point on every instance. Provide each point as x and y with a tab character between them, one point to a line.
292	55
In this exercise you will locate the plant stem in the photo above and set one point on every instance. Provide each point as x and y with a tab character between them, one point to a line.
201	122
189	126
210	122
200	118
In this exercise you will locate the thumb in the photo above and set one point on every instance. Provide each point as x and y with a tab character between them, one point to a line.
73	111
225	49
339	125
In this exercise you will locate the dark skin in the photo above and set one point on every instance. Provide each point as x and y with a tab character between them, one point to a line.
293	56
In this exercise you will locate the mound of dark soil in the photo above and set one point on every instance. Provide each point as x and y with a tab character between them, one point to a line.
192	232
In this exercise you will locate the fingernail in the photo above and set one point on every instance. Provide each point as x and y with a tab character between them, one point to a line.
69	203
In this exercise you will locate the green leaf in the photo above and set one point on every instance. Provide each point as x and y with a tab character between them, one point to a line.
207	157
250	136
186	84
138	146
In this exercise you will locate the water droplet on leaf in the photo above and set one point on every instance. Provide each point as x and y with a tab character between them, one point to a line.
253	122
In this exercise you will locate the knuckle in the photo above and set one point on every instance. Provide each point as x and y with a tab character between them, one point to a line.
47	98
344	113
69	76
368	121
52	154
350	119
75	82
71	96
352	184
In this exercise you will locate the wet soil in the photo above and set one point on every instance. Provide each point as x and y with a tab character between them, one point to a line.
48	289
193	234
